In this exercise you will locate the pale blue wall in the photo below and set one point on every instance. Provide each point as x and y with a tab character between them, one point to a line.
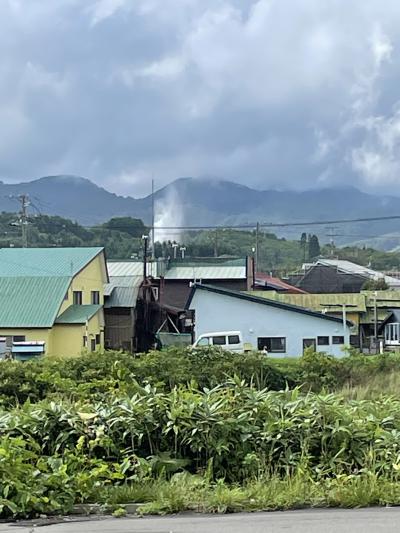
217	312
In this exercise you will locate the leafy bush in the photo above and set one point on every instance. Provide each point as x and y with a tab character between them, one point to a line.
112	424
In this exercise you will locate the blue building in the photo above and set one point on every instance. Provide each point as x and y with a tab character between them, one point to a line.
284	330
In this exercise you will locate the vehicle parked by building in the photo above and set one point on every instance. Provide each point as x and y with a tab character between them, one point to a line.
227	340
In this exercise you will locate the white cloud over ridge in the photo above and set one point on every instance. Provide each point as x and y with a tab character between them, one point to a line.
272	93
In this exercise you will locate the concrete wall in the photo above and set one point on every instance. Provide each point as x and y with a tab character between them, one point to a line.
216	312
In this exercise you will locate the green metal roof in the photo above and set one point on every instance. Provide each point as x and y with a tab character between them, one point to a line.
32	262
316	302
31	301
78	314
34	281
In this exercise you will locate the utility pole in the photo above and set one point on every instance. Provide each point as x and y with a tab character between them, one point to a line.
175	246
153	244
257	247
216	243
23	199
375	319
145	239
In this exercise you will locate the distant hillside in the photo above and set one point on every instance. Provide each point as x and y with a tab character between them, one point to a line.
210	201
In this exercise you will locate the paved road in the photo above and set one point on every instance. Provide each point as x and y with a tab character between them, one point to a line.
382	520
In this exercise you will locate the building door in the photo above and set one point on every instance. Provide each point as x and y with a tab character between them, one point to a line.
307	343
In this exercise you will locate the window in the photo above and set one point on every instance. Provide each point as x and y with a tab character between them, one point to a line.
323	341
14	338
98	338
92	345
84	341
233	339
309	343
95	297
205	341
338	339
77	297
272	344
219	341
66	296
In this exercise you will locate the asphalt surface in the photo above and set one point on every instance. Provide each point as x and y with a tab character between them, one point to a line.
377	520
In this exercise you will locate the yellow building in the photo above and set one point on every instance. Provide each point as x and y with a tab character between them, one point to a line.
51	301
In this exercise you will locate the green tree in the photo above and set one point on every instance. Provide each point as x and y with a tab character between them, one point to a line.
132	226
303	245
314	249
375	285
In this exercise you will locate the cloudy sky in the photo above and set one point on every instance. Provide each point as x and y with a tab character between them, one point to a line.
270	93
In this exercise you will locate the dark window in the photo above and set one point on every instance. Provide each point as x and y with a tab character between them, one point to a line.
84	341
355	340
272	344
219	341
77	297
98	338
323	341
92	345
66	296
95	297
338	340
233	339
309	343
19	338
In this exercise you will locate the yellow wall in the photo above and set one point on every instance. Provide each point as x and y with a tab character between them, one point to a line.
67	339
91	278
64	339
34	334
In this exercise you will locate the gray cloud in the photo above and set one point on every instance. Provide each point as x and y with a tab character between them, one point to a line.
272	93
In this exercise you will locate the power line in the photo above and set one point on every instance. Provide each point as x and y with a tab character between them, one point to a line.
253	226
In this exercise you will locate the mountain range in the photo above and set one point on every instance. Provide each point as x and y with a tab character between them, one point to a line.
195	201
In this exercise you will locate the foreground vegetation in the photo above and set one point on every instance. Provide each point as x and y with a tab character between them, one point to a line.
206	431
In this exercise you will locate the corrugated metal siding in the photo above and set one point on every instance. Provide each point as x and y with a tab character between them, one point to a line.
119	331
31	301
317	301
36	262
124	268
122	297
176	292
206	272
134	268
130	268
122	281
122	291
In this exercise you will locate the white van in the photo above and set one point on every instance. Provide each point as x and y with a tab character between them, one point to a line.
227	340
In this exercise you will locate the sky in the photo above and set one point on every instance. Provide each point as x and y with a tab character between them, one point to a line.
275	94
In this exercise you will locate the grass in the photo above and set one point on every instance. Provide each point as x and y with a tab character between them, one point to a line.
383	384
185	492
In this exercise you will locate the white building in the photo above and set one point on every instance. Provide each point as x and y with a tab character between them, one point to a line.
285	330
